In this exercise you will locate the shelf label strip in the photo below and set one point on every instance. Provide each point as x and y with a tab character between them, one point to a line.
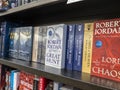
73	1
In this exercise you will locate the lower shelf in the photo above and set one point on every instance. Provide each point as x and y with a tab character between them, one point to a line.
77	79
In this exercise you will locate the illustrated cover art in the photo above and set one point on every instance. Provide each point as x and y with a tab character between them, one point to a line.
87	47
70	47
55	46
106	49
14	42
26	81
25	44
13	3
78	49
37	45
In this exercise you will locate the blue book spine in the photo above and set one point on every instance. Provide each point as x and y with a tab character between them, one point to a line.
5	39
11	80
70	47
79	33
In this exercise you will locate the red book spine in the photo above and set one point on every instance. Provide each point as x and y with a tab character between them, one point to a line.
42	83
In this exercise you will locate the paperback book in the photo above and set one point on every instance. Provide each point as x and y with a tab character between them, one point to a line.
106	49
78	49
14	42
70	47
56	45
37	45
25	45
87	48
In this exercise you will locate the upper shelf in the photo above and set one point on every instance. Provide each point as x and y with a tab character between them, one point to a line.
57	11
83	81
31	5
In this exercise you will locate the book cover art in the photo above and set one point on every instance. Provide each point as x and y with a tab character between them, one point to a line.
87	47
4	5
106	49
44	37
13	3
55	46
70	47
79	35
37	45
25	45
14	42
26	81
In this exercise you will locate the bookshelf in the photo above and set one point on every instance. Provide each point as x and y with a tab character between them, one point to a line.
67	77
57	11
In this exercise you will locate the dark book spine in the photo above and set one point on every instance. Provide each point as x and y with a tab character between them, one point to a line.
77	65
70	47
35	84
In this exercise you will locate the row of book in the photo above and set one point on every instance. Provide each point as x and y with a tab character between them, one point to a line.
8	4
88	47
12	79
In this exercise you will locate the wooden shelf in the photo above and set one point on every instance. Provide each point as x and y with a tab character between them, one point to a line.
74	78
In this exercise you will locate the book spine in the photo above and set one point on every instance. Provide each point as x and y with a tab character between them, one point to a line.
11	80
19	2
31	43
35	44
7	80
16	81
2	77
70	47
56	85
44	37
42	83
79	34
87	47
35	83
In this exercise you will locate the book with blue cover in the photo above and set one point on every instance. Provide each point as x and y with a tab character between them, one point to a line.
14	42
5	26
25	45
56	46
79	35
70	47
14	80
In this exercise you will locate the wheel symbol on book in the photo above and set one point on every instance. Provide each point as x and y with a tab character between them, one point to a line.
98	44
51	32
